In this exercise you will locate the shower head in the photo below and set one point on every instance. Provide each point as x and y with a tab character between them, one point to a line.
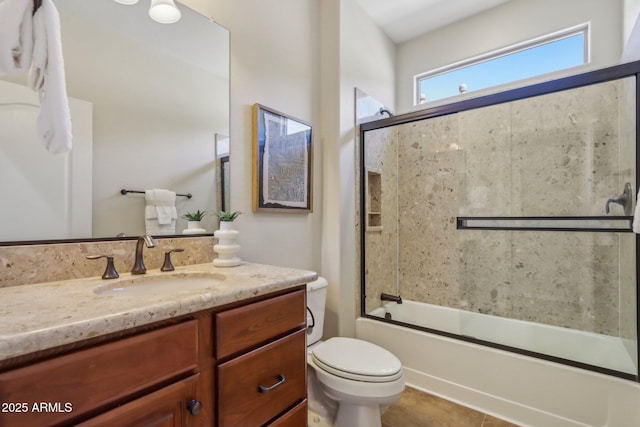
384	110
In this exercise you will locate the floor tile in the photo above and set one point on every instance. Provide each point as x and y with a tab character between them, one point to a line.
419	409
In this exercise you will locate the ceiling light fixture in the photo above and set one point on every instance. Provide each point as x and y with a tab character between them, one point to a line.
164	11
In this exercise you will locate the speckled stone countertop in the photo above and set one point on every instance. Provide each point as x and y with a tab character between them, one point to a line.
46	315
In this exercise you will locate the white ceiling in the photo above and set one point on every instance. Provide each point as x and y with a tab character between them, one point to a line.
403	20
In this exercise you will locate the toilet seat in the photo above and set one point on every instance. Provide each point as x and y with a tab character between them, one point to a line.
357	360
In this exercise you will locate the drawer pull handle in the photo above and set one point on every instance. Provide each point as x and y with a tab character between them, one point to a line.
281	380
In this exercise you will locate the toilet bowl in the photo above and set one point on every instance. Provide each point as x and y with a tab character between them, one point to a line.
349	380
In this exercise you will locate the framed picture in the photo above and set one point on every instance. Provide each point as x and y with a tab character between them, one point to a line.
282	162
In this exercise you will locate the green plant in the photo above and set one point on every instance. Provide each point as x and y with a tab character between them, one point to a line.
194	216
227	215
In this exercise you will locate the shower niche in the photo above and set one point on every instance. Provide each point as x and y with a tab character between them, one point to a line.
504	220
374	200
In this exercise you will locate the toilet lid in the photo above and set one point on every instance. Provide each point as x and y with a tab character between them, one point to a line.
356	359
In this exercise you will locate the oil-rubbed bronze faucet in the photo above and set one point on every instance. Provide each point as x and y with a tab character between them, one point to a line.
389	297
138	266
110	272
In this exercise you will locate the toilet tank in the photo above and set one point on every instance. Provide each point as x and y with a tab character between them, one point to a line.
316	300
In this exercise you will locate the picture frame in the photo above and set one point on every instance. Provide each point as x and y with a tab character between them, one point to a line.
282	162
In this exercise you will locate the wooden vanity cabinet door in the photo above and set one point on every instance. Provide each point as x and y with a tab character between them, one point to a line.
280	365
167	407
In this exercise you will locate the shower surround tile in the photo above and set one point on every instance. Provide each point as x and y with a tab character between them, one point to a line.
428	204
565	152
562	154
381	263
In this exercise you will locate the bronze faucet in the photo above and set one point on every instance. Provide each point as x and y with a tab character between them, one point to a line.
138	266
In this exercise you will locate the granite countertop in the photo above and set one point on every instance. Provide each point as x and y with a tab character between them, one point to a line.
46	315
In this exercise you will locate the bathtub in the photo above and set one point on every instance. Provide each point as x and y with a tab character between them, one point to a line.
525	390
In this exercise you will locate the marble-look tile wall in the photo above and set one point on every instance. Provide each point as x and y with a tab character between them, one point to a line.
628	309
561	154
381	155
29	264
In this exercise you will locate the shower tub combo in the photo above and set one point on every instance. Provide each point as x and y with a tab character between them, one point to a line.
498	231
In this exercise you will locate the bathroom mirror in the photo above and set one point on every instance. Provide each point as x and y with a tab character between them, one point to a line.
148	101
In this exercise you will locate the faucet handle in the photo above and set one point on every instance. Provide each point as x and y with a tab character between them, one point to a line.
168	266
110	272
625	200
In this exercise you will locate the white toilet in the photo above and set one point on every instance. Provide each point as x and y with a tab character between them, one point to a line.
349	380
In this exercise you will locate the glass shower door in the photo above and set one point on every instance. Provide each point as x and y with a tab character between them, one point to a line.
510	224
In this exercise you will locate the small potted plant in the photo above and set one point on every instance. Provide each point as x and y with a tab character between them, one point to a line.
193	222
227	216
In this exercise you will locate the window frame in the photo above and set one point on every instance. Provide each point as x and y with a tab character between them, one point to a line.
584	29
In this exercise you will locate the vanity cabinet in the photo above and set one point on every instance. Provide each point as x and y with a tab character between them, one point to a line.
238	365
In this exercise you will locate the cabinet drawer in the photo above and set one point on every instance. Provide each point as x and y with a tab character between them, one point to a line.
89	379
245	327
296	417
280	368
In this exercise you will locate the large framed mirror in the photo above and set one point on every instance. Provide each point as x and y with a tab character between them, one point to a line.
147	103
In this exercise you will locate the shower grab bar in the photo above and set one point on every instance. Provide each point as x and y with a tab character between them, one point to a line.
608	224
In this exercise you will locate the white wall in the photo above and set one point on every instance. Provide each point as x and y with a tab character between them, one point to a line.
631	12
275	62
355	54
631	31
507	24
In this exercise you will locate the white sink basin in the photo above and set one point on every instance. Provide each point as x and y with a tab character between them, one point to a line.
169	283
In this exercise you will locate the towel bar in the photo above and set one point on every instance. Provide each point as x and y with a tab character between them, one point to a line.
609	224
124	192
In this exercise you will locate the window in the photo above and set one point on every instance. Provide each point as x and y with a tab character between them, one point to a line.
552	52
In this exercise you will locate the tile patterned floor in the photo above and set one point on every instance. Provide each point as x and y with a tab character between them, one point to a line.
418	409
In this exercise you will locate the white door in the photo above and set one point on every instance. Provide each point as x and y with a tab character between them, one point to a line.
42	195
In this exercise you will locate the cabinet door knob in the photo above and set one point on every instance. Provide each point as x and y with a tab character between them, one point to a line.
194	407
281	380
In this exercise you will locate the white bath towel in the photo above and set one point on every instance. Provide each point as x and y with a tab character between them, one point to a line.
47	78
16	36
160	213
636	217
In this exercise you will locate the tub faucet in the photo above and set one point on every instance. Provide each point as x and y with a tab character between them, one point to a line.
389	297
138	266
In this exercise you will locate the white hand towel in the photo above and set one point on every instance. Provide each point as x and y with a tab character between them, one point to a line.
16	36
47	78
164	203
636	217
